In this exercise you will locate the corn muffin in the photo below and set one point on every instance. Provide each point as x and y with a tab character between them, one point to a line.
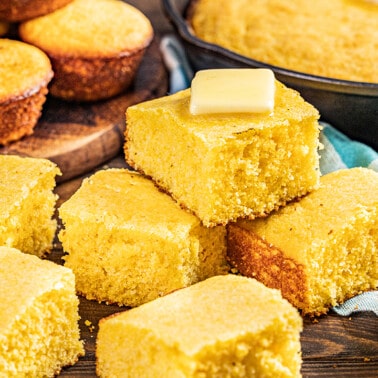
101	44
20	10
27	204
225	326
319	251
25	72
39	332
226	166
129	243
324	38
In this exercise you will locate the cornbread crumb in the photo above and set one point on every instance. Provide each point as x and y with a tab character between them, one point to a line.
225	326
293	250
27	203
226	166
129	243
39	332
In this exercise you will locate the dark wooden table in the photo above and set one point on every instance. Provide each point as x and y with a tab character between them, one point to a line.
332	346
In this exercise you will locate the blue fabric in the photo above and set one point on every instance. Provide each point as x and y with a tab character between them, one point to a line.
342	152
339	152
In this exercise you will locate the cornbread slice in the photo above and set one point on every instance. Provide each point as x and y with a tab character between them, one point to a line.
27	203
24	75
129	243
319	251
226	166
101	45
225	326
39	332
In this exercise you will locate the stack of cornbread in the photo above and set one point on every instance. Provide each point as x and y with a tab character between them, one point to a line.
101	45
242	169
217	185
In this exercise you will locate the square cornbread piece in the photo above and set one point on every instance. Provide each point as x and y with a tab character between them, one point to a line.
39	331
225	326
226	166
319	251
27	203
129	243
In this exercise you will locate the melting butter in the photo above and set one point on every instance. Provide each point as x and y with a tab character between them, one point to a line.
232	90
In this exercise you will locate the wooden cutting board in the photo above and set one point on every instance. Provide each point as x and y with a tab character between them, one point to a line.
80	136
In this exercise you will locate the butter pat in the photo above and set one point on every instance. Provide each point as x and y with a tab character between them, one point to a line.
239	90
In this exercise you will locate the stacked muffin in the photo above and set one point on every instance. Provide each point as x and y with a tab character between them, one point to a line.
101	45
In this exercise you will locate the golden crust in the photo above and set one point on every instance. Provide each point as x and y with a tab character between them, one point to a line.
82	79
19	117
20	10
25	69
25	74
253	257
90	29
101	45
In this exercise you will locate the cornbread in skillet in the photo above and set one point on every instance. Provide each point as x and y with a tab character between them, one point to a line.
226	166
225	326
25	72
27	203
324	38
129	243
39	332
101	44
20	10
319	251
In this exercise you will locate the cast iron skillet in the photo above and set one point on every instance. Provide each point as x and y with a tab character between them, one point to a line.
350	106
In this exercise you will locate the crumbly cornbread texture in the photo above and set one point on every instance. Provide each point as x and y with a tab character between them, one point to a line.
101	44
319	251
326	38
27	203
225	326
129	243
39	332
24	76
226	166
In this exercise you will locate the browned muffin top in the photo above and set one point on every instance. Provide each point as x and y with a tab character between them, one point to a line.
92	29
24	69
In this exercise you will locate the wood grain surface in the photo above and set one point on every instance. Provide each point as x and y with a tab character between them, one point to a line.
80	136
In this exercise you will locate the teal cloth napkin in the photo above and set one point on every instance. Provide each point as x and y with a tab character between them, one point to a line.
339	152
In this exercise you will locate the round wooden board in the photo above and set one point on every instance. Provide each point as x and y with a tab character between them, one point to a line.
80	136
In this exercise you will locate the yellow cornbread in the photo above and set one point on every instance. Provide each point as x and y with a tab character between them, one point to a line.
39	332
101	44
129	243
225	326
24	75
319	251
325	38
226	166
27	203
